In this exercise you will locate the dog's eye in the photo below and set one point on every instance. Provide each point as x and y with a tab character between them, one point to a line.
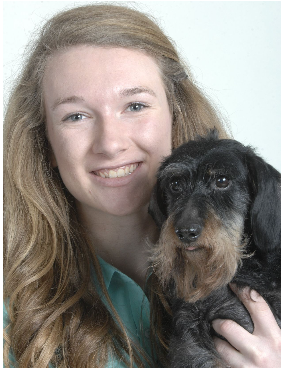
176	185
222	182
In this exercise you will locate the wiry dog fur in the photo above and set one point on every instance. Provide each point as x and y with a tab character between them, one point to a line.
218	207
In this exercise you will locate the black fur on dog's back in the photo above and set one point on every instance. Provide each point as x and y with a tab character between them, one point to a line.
253	196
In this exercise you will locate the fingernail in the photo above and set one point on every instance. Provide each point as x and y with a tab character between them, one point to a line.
255	296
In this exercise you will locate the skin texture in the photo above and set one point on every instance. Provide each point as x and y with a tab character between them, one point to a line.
107	134
106	108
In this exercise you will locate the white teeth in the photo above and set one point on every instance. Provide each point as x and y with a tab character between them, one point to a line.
112	174
120	172
117	172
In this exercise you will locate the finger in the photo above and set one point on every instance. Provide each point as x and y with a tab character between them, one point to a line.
228	353
235	334
261	314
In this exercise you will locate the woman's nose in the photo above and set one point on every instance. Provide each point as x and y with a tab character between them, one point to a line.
111	137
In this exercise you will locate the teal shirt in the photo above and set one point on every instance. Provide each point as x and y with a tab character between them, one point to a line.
130	303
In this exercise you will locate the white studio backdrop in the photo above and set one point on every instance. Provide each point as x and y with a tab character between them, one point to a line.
232	47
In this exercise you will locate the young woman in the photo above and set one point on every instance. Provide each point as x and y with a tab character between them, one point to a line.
102	99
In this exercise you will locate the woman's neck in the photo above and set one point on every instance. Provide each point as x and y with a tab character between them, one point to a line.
121	241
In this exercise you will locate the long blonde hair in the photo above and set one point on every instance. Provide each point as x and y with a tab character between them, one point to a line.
51	303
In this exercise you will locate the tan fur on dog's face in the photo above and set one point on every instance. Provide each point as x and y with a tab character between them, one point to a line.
200	271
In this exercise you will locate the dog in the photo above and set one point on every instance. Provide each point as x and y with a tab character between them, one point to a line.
217	204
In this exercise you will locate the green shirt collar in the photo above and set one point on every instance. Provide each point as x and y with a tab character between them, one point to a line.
108	271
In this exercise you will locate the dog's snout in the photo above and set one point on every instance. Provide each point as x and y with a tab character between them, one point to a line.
190	233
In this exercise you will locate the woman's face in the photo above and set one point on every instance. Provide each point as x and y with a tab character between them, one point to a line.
109	125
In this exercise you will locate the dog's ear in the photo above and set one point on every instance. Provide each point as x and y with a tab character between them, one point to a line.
212	134
157	206
265	210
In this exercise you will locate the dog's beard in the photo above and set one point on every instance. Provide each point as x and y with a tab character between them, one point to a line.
211	265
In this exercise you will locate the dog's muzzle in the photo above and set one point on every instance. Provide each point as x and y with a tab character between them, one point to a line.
190	233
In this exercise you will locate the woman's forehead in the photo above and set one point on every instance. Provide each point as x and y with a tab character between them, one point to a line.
84	67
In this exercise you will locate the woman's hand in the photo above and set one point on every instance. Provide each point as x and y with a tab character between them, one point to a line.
262	348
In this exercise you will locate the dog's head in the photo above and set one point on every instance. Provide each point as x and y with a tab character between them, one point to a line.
210	192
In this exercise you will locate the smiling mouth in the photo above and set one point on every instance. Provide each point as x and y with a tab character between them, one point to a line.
117	172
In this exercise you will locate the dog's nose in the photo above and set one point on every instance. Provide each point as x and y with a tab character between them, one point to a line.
189	234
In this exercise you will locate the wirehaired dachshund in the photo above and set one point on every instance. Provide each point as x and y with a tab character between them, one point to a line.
217	204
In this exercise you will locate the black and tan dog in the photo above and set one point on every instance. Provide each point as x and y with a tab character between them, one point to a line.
218	206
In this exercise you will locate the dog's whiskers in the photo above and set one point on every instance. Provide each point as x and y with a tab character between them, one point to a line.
198	272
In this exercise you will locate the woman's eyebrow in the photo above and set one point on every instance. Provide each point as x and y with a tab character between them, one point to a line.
125	92
69	99
137	90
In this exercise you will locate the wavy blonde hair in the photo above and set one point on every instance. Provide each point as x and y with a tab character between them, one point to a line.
56	315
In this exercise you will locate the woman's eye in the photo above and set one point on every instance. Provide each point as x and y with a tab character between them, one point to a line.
136	107
74	117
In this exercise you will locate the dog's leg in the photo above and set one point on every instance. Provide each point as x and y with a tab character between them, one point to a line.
192	343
